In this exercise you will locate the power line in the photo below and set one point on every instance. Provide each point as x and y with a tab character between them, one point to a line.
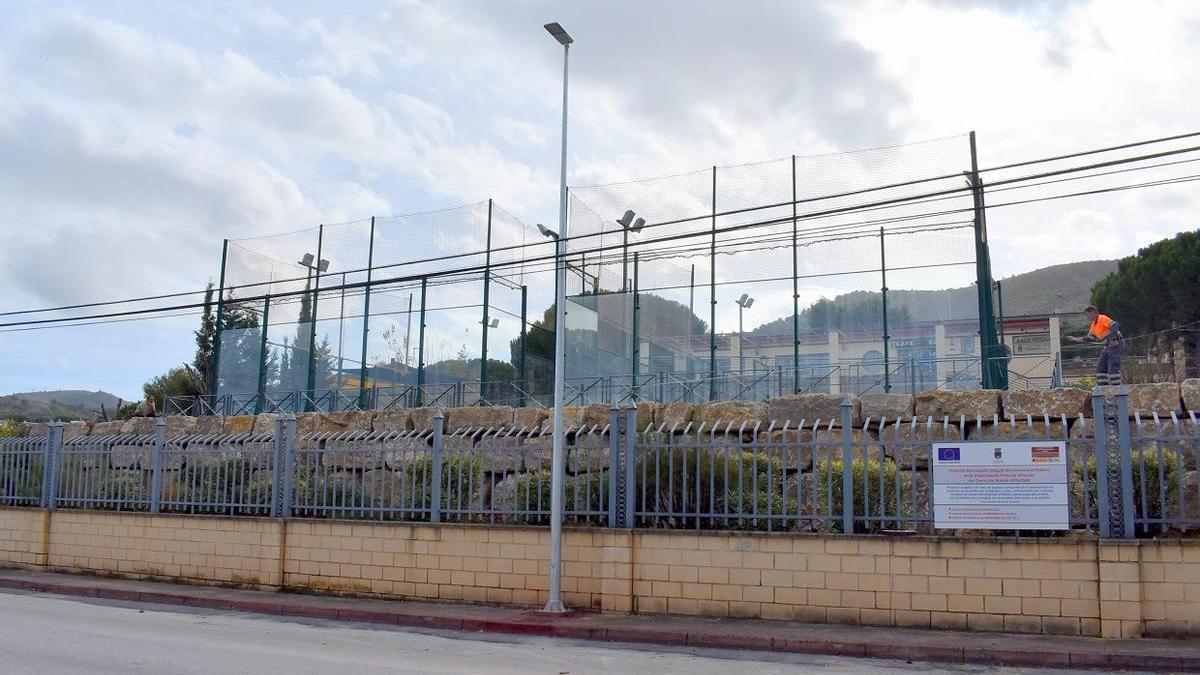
674	237
914	199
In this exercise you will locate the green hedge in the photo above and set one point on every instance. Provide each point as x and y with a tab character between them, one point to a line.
867	479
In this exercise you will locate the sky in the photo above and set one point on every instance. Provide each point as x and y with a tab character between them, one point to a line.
135	136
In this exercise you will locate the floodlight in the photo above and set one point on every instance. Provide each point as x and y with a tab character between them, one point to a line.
493	323
559	33
547	232
307	260
637	225
626	220
323	265
745	301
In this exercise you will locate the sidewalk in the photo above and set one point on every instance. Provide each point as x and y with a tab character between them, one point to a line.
861	641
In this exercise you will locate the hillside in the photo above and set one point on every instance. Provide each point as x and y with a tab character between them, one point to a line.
68	404
1063	288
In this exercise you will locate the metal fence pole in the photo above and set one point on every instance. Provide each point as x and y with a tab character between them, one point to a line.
614	461
630	486
366	327
487	282
1124	450
795	292
524	377
160	443
435	485
51	451
214	365
277	462
887	372
847	466
263	350
712	291
637	351
289	466
1103	485
312	328
421	345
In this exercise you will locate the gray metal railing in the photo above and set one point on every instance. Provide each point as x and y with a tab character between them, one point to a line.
1136	477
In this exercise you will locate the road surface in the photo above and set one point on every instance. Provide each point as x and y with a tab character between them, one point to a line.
51	634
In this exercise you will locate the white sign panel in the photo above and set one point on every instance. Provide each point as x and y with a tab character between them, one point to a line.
1001	485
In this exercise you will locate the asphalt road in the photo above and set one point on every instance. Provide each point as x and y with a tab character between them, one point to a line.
50	634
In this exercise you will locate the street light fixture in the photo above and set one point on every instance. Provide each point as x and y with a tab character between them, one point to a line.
554	596
547	232
743	303
628	224
493	323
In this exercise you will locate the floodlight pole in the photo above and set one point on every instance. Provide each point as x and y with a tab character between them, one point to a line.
554	599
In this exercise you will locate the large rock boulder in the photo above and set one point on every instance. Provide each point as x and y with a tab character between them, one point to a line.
589	453
332	423
76	429
481	417
646	413
674	416
597	415
422	418
264	425
909	443
575	416
1147	399
138	426
1190	392
106	428
392	421
970	404
796	448
1056	403
33	429
239	424
209	426
180	425
885	407
809	408
530	418
730	414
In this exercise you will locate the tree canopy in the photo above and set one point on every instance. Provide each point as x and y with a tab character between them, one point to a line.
1157	291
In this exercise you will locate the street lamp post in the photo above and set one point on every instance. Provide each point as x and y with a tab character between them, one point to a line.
743	303
554	598
313	265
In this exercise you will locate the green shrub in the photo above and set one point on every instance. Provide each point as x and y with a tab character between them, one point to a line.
867	478
1154	502
122	489
222	486
462	481
530	491
21	478
737	486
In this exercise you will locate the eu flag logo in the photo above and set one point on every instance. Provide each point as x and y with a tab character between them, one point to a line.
949	455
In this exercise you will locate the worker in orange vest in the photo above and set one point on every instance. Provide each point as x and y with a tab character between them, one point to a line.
1108	332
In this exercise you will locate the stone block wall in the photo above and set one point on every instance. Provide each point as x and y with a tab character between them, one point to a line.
1064	586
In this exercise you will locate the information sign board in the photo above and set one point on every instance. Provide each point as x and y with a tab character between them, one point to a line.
1000	485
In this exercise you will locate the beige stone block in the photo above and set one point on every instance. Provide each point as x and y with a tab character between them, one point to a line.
1189	391
530	418
674	416
810	408
885	408
392	421
731	414
1147	399
985	622
1055	403
955	405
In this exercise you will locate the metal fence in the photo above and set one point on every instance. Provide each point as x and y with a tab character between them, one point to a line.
750	384
1135	478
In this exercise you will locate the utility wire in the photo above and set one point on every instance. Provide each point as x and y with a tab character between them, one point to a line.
891	203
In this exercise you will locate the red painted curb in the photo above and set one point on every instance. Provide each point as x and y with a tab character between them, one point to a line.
558	627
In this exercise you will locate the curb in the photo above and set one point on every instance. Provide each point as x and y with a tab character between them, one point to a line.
535	625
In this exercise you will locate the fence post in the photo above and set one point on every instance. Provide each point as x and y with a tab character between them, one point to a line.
435	485
50	455
277	461
630	487
847	466
160	443
1103	485
614	461
1126	458
289	465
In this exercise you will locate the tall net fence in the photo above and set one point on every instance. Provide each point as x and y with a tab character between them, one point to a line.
842	273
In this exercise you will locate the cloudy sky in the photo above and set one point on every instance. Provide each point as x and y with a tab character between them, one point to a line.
135	136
